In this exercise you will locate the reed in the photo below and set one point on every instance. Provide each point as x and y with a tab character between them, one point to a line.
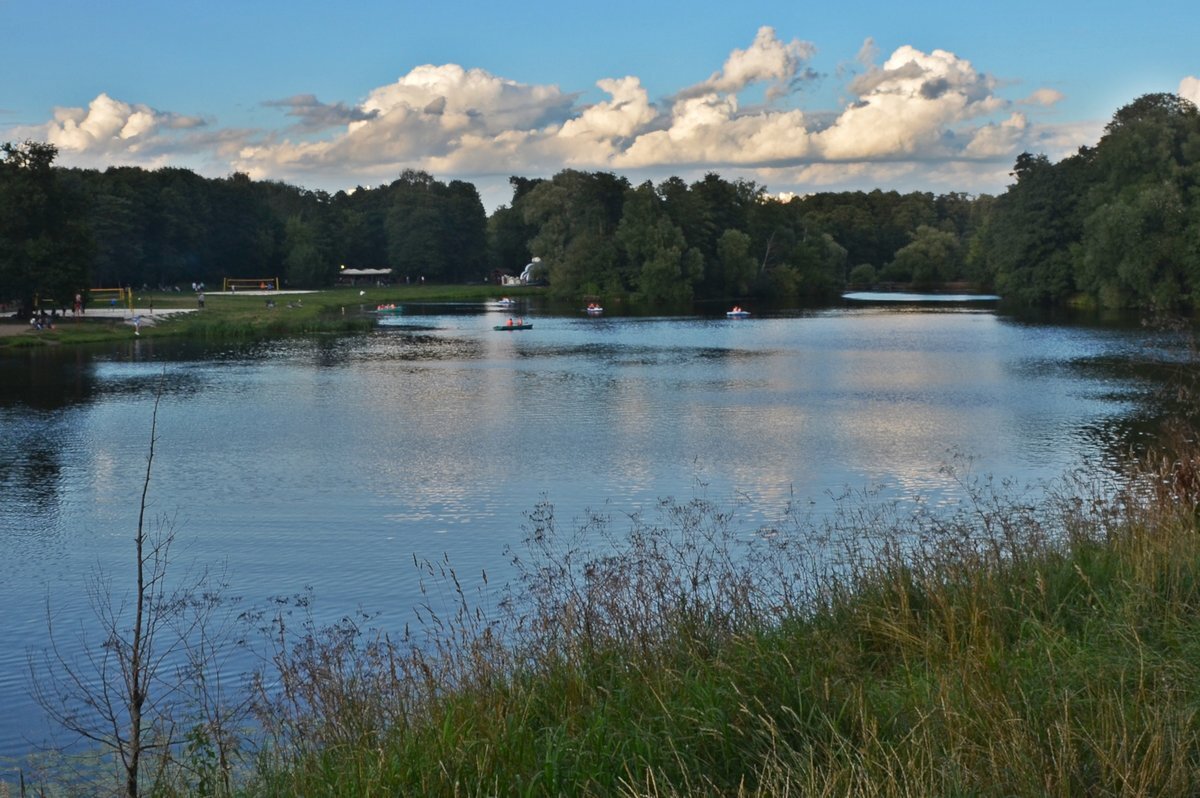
1010	647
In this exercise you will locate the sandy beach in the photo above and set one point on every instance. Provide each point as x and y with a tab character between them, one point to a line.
10	326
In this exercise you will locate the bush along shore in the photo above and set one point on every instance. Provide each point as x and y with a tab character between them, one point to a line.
1024	643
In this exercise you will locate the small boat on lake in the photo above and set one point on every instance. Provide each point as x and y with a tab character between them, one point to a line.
737	313
502	302
514	325
593	309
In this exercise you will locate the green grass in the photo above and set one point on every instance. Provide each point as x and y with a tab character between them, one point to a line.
246	316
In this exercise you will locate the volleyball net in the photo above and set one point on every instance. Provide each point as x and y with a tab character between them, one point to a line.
111	297
235	284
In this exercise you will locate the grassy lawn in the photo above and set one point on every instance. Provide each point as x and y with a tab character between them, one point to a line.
249	315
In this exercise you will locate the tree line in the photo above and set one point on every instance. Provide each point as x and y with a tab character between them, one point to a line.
1117	224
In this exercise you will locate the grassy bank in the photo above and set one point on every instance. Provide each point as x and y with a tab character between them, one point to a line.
246	316
1008	647
1003	649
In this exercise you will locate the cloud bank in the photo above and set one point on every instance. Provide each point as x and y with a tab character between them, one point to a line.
916	113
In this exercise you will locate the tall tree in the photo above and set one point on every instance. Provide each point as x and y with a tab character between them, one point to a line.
305	265
118	227
245	237
413	227
45	247
576	214
464	233
508	232
737	266
1141	227
1026	242
654	249
933	256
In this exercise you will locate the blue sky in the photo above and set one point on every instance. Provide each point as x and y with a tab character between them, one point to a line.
797	96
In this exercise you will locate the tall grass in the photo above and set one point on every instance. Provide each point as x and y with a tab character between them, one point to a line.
1008	647
1019	644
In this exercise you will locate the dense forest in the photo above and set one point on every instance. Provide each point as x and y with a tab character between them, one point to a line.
1117	224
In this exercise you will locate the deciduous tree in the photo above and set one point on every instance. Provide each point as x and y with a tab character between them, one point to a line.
45	247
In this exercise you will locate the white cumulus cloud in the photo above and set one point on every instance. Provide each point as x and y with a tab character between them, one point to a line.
110	125
709	129
628	111
998	140
907	106
915	113
917	106
469	99
600	130
110	132
1189	89
443	118
1044	97
766	60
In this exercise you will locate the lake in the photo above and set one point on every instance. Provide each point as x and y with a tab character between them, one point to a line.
331	462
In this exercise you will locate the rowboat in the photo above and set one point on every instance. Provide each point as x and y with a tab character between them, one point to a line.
528	325
737	313
593	310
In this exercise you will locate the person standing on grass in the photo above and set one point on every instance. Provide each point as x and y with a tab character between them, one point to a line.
200	299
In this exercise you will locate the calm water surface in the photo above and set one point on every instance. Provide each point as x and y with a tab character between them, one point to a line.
330	463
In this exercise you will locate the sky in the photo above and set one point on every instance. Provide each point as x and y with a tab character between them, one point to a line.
798	96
